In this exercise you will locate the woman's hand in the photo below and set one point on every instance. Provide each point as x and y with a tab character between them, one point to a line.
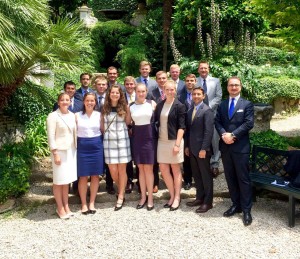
175	150
57	160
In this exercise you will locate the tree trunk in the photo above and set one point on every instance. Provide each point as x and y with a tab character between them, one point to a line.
167	15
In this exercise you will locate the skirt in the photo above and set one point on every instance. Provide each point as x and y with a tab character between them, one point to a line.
90	156
66	172
165	152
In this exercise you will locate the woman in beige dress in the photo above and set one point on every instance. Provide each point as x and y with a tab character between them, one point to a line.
170	118
61	131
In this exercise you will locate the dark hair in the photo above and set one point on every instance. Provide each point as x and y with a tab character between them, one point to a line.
68	83
111	68
85	96
121	106
234	77
191	75
85	74
62	94
198	88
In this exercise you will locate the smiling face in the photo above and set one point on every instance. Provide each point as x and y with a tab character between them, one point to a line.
100	86
161	79
198	95
234	87
130	86
190	83
203	70
70	90
174	72
64	102
170	90
85	81
112	75
145	71
89	102
141	93
114	95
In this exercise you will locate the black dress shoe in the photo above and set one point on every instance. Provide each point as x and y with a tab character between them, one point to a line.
231	211
194	203
119	205
247	218
87	212
167	206
215	172
174	208
110	190
150	208
140	206
129	188
92	211
204	208
187	186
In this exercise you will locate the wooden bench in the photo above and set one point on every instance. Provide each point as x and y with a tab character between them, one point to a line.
266	167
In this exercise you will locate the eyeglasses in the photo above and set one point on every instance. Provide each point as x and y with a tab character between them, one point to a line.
234	85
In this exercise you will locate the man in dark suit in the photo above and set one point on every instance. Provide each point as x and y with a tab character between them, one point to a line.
175	73
213	91
145	69
157	94
76	105
85	80
112	75
199	133
100	85
234	120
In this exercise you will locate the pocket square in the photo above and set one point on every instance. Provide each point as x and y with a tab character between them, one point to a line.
240	110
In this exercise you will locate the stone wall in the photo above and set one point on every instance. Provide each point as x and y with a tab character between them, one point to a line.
9	127
283	106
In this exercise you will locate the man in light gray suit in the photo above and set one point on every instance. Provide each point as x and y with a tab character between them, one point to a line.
145	69
175	73
212	88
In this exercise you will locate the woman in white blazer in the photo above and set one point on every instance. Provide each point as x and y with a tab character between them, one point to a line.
61	131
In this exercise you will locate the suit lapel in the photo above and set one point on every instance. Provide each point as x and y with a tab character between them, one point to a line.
236	107
197	112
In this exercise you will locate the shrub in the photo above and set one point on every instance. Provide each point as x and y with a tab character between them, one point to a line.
269	138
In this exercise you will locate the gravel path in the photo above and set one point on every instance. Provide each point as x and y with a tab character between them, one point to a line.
131	233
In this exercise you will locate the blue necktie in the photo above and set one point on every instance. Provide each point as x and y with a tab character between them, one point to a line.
204	86
231	108
146	81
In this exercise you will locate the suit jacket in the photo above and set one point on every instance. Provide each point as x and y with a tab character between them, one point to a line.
180	86
240	124
77	106
154	95
151	83
60	134
182	97
78	94
199	132
176	117
214	91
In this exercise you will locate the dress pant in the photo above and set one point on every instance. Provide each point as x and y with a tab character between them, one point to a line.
203	177
214	161
187	175
236	169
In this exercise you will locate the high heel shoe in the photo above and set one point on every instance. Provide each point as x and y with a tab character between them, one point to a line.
119	205
62	217
175	208
167	206
149	208
140	206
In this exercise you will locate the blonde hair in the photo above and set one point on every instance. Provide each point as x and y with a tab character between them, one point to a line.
170	82
145	63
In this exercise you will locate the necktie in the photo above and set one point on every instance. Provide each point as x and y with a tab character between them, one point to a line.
162	95
85	92
100	101
231	108
204	86
194	113
131	100
72	103
146	81
189	98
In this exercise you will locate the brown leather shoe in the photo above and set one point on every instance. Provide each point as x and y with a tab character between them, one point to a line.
215	172
194	203
155	189
204	208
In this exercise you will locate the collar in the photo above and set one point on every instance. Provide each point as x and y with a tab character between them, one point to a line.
197	106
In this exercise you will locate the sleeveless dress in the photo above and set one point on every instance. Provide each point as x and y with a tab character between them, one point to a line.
89	145
116	140
144	145
165	146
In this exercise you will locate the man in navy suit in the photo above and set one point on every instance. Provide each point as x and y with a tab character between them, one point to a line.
145	69
175	73
85	80
234	120
213	91
199	133
76	105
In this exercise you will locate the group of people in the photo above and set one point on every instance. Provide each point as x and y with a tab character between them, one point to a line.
157	124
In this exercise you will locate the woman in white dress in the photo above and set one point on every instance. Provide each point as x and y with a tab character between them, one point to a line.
61	131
